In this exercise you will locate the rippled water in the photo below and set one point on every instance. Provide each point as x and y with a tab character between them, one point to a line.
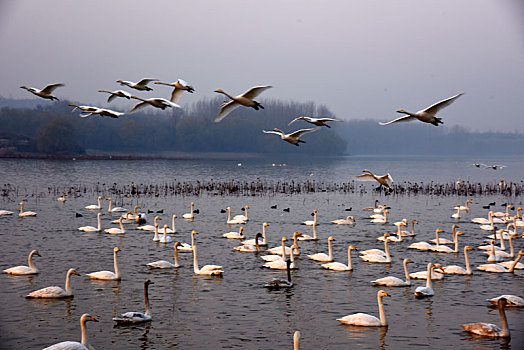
235	311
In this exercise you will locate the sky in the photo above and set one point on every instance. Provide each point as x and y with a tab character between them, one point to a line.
361	59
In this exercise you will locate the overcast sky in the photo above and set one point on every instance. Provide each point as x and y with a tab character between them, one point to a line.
362	59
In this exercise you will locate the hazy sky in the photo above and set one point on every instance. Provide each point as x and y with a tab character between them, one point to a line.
362	59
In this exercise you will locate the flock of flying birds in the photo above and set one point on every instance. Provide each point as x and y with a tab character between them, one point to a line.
247	99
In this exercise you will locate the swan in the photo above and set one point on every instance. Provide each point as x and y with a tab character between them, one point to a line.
394	239
137	317
492	257
6	212
505	233
164	264
426	115
499	268
293	138
316	121
115	230
63	198
115	94
458	270
185	247
508	264
382	220
107	275
100	111
304	237
501	251
278	283
311	222
423	275
248	248
110	209
392	281
242	217
273	256
136	216
372	208
349	220
427	291
45	92
235	235
456	215
483	221
361	319
55	292
84	109
376	251
383	180
322	257
179	87
444	240
94	206
155	237
511	300
278	250
253	241
25	270
73	345
141	85
233	221
489	329
165	238
156	102
412	233
336	266
92	228
423	245
446	249
150	227
23	213
500	214
190	215
378	258
210	270
166	227
246	100
280	264
463	207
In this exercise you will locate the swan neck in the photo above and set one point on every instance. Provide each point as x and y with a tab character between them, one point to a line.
173	224
84	333
67	288
284	250
99	227
503	321
515	262
146	298
195	262
511	250
386	248
381	312
466	258
330	251
315	232
228	95
176	255
349	259
428	279
30	261
155	238
264	235
408	279
456	244
437	238
109	209
122	226
413	227
117	274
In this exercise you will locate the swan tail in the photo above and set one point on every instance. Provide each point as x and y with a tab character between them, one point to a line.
437	121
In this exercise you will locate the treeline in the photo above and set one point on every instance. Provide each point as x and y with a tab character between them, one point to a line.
53	129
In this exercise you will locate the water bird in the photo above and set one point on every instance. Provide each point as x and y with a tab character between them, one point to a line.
210	270
337	266
25	270
164	264
23	213
426	115
498	268
311	222
116	230
112	209
286	210
92	228
141	85
78	215
250	248
278	283
62	198
361	319
280	263
94	206
264	240
378	258
392	281
165	238
323	257
246	99
242	217
73	345
107	275
382	180
427	290
134	317
149	227
5	212
458	270
167	229
55	292
235	235
274	206
116	93
489	329
84	109
230	221
349	220
293	138
179	87
511	300
156	102
316	121
190	215
45	92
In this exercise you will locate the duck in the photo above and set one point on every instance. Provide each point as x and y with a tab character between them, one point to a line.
134	317
55	292
179	87
392	281
488	329
164	264
246	99
361	319
322	257
25	270
92	228
337	266
45	92
73	345
383	180
23	213
292	138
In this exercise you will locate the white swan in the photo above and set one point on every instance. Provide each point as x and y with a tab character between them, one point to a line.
427	290
423	275
115	230
107	275
141	85
349	220
382	220
444	240
489	329
185	247
210	270
167	229
104	112
133	317
426	115
233	221
156	102
316	121
55	292
273	256
280	264
424	245
456	215
235	235
412	233
311	222
483	221
492	257
337	266
458	270
165	238
156	238
92	228
6	212
278	250
25	270
305	237
361	319
190	215
164	264
73	345
383	180
23	213
246	100
179	87
378	258
264	241
463	207
94	206
242	217
323	257
110	209
150	227
45	92
62	198
372	208
511	300
250	248
392	281
136	216
445	249
501	251
115	94
398	233
293	138
499	268
375	251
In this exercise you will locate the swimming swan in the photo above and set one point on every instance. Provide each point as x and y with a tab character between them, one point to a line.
233	221
110	209
378	258
25	213
189	215
392	281
361	319
349	220
235	235
55	292
115	230
107	275
322	257
249	248
264	241
94	206
150	227
137	317
242	217
458	270
278	283
336	266
165	238
25	270
498	268
92	228
164	264
489	329
427	290
210	270
73	345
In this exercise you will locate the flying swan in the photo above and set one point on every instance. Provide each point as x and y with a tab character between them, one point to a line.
246	100
293	138
45	92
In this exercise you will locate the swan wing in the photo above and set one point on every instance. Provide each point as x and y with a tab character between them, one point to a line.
49	88
132	317
271	132
389	281
161	264
406	118
329	120
176	94
144	82
365	177
433	109
301	132
294	120
49	292
255	91
138	106
481	328
102	275
226	109
335	266
360	319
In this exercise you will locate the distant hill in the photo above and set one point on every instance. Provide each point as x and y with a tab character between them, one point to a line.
21	103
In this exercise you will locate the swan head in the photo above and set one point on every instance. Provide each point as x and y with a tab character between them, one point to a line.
409	261
296	234
176	245
87	317
156	225
459	233
35	252
414	222
382	293
265	224
21	203
116	250
331	239
166	226
148	282
219	91
73	272
438	267
194	232
108	199
174	216
241	229
99	197
401	111
468	248
438	230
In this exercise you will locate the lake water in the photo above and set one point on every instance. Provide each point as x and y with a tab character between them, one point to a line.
235	311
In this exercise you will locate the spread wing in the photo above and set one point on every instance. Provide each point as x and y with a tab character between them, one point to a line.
255	91
301	132
294	120
144	82
111	97
176	94
406	118
138	106
388	177
86	115
226	109
433	109
328	120
365	177
49	88
271	132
